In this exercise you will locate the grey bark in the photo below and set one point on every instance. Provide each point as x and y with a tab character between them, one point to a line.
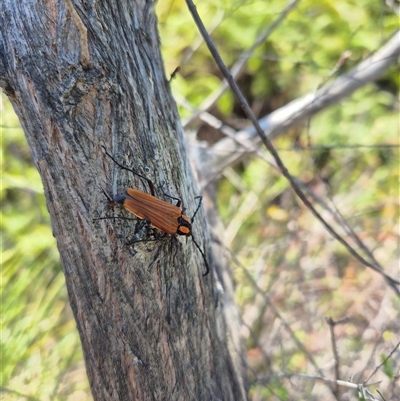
82	75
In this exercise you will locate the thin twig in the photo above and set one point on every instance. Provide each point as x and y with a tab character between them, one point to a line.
268	144
361	388
383	398
383	362
332	325
309	377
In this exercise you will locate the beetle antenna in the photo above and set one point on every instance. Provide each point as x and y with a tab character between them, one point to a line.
121	166
200	198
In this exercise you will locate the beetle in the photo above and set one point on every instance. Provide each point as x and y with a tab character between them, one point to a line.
160	214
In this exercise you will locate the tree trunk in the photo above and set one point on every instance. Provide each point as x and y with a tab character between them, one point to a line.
82	75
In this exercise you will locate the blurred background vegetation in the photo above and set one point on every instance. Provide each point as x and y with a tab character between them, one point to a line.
290	274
